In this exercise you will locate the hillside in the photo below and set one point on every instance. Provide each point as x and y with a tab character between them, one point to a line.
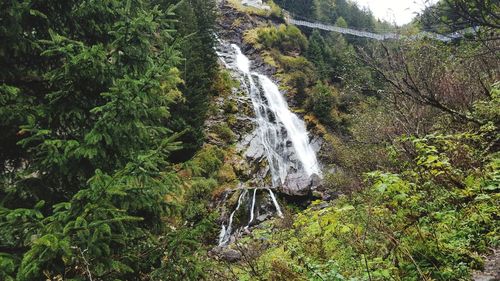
214	140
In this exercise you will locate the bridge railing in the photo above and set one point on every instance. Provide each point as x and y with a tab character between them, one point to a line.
289	18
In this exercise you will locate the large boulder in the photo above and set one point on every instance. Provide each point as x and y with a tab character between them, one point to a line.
298	184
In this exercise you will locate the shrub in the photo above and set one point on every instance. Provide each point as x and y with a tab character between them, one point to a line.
230	106
224	83
224	132
226	174
323	102
210	158
285	38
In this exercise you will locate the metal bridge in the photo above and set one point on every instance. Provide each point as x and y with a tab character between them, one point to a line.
377	36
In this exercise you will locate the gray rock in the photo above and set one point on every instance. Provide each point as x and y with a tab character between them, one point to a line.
317	143
226	254
255	151
262	217
297	184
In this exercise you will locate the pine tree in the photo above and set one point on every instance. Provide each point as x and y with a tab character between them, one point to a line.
195	29
87	87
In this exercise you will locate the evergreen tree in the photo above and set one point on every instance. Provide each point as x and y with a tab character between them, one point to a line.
318	53
87	87
325	10
196	29
302	8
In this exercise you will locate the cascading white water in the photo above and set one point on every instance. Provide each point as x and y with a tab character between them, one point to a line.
275	202
272	114
295	127
225	233
276	127
252	210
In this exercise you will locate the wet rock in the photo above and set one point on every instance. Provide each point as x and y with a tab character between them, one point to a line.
262	217
226	254
324	196
317	143
297	184
231	255
255	3
255	151
251	167
321	206
316	181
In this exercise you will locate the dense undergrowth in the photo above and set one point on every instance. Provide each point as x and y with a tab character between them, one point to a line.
413	142
427	221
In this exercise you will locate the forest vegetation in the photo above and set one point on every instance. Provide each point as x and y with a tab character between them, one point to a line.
110	168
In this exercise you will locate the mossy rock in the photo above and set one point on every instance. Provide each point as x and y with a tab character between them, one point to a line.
231	120
210	159
232	200
226	174
224	132
230	106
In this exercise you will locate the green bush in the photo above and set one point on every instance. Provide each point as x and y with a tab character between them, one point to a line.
286	38
230	106
224	132
428	222
224	83
210	159
323	102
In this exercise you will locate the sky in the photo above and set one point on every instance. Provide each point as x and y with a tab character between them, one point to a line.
399	11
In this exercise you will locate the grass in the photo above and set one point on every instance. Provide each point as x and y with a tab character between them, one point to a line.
274	10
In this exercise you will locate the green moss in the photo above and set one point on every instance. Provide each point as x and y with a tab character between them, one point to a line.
269	59
251	37
226	174
209	159
274	11
230	106
224	83
231	120
224	132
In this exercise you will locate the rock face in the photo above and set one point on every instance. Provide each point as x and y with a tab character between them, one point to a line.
298	185
255	200
233	24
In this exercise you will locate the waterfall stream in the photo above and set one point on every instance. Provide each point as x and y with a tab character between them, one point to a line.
282	134
272	115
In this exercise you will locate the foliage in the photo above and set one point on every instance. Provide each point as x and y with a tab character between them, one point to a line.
86	96
427	219
224	84
92	93
455	15
426	73
209	160
195	29
323	101
273	10
224	132
330	11
426	223
286	38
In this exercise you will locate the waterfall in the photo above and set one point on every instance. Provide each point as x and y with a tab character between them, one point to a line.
272	114
225	233
252	210
295	127
275	202
282	134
